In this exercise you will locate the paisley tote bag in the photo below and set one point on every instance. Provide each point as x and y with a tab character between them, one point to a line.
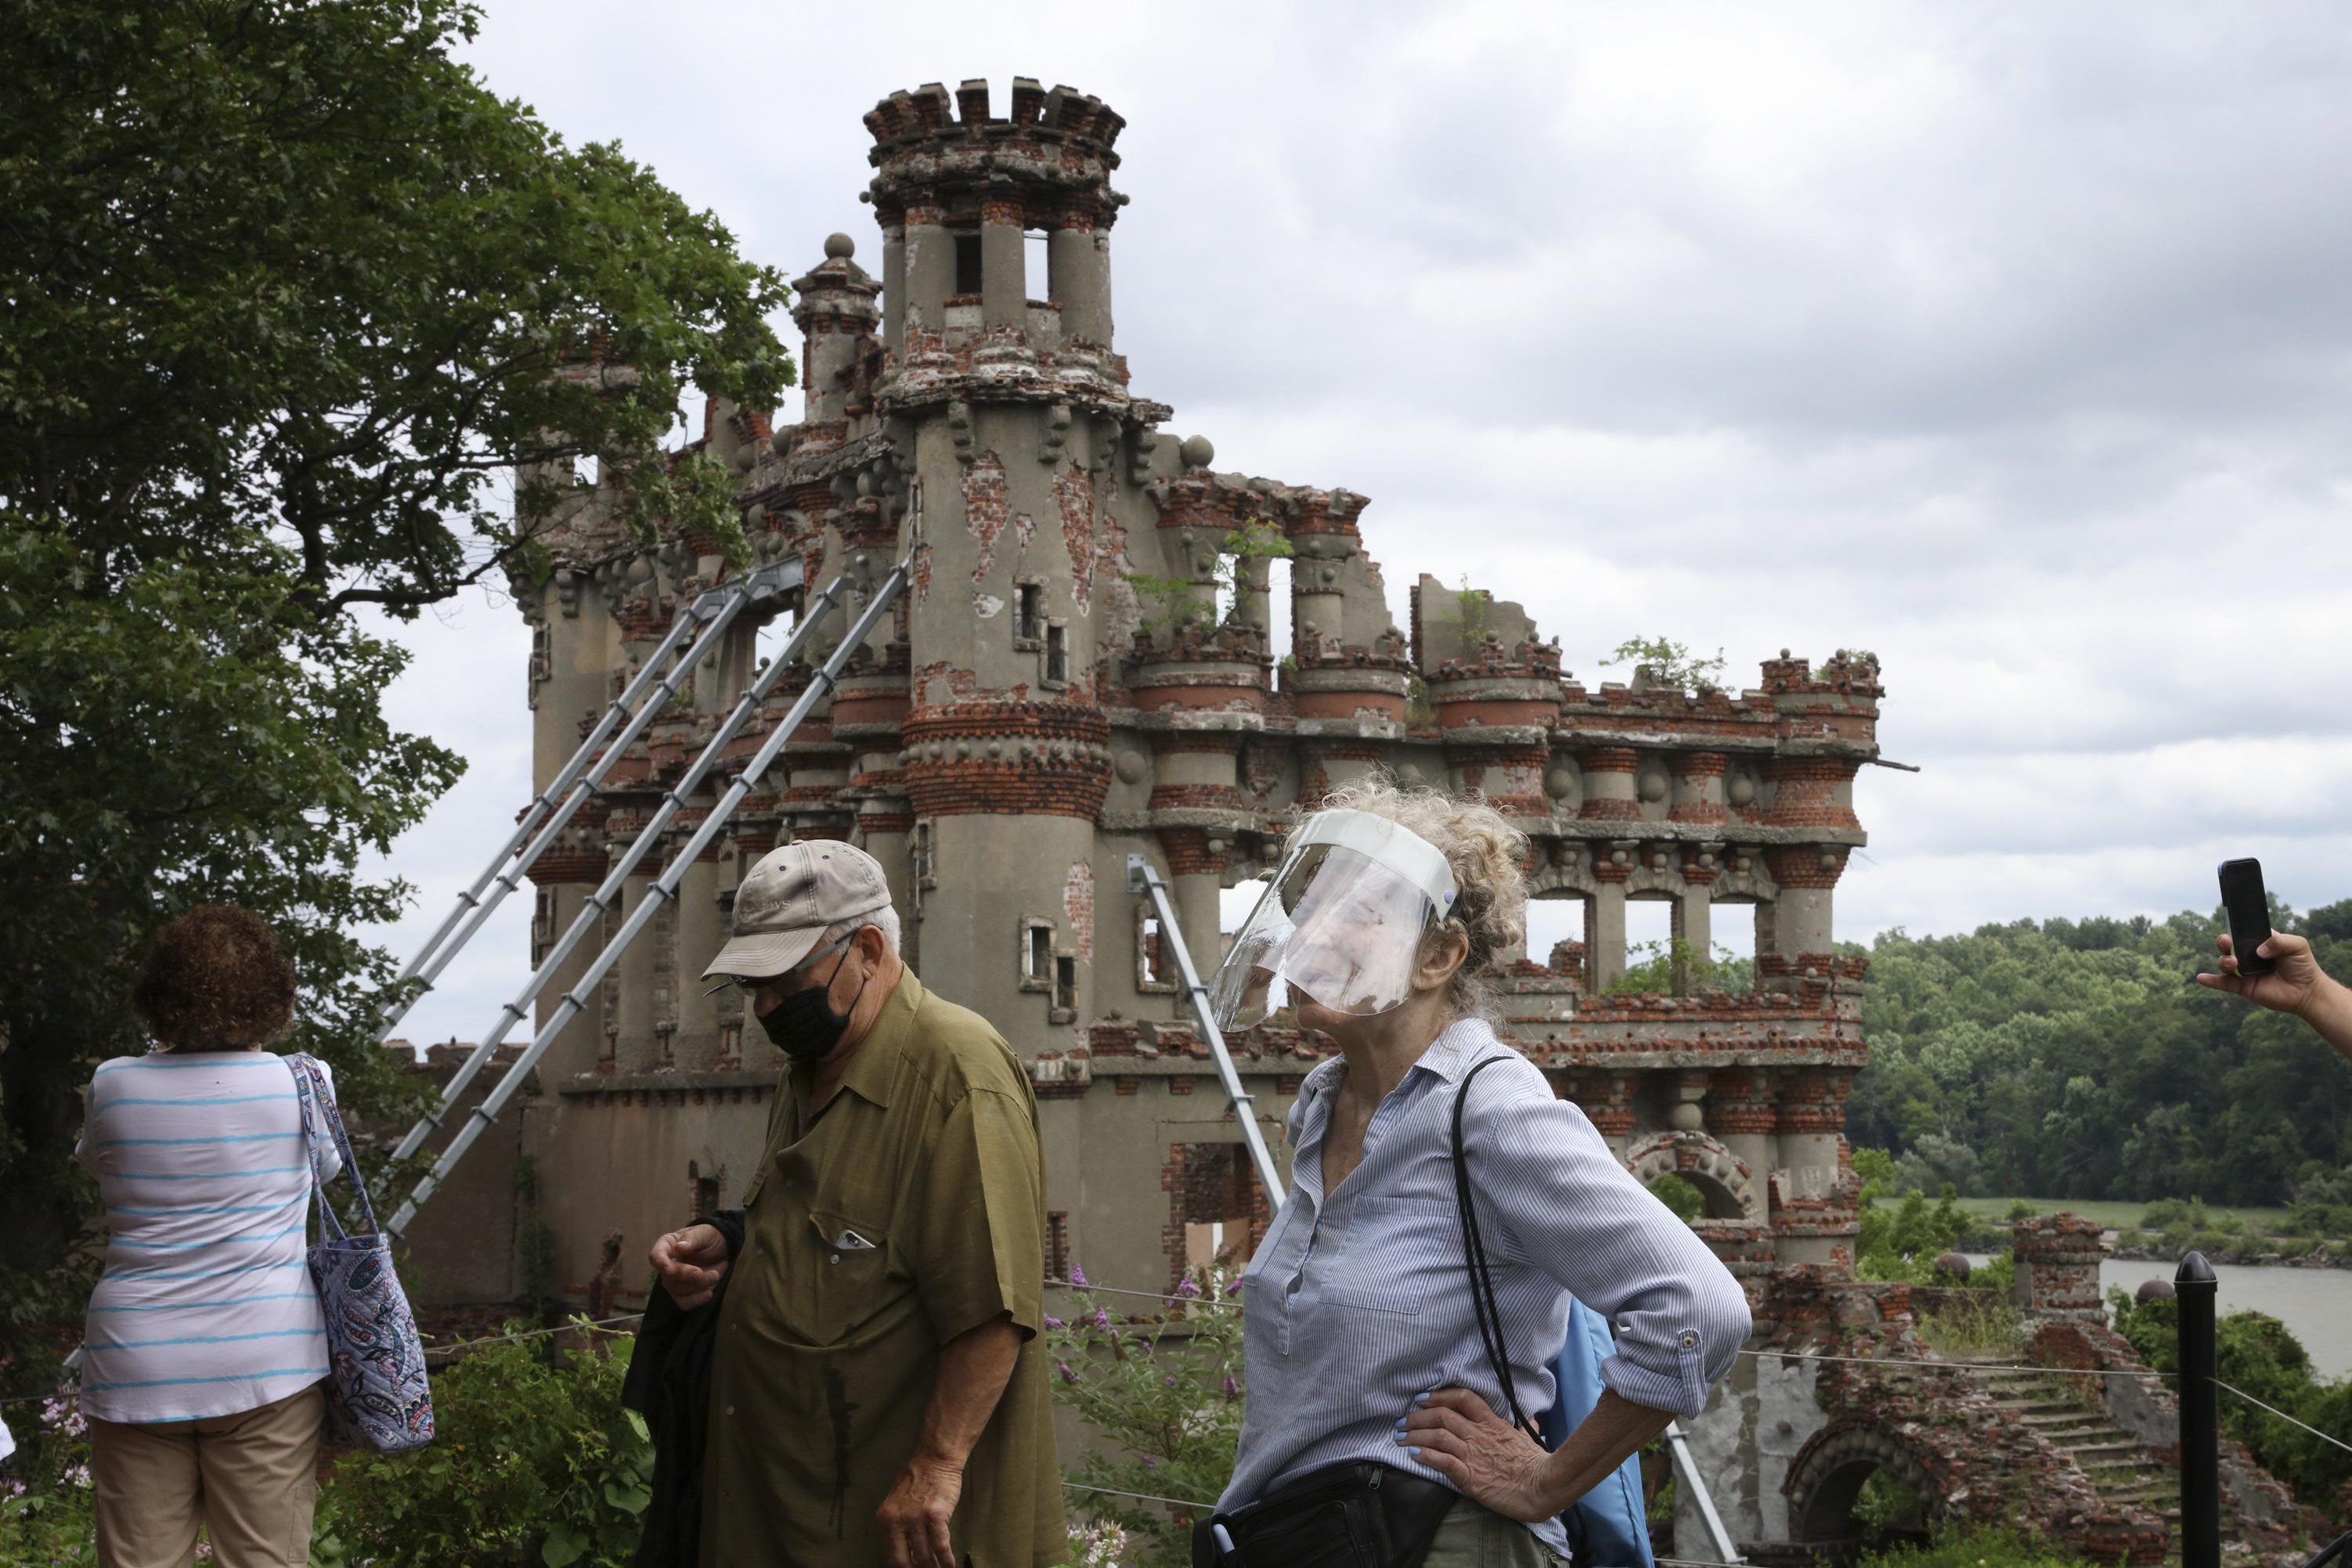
377	1394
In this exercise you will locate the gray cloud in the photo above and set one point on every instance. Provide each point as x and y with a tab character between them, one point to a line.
2011	344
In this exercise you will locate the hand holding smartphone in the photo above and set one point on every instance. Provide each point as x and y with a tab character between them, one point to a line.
2248	907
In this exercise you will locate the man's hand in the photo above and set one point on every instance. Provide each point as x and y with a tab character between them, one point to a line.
915	1515
1458	1435
690	1262
975	1367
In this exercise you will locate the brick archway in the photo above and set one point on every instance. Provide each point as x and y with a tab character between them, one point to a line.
1829	1473
1723	1176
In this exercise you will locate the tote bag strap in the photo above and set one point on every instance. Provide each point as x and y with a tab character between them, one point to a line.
320	1111
1482	1282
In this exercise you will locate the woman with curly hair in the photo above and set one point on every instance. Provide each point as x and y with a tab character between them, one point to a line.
204	1344
1385	1388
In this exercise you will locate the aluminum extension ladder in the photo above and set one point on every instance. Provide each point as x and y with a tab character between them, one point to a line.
549	812
1144	879
664	889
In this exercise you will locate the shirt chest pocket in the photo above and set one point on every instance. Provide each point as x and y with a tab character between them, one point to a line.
1396	1250
837	1277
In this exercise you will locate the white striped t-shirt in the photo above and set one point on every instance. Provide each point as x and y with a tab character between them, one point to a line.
206	1306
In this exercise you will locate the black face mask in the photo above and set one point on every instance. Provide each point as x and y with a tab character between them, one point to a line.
804	1026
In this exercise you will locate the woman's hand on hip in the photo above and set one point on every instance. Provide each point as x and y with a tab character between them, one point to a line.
1458	1435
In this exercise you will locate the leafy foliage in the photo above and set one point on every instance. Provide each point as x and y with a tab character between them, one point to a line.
1675	965
291	271
1168	1392
292	299
1180	602
536	1463
1680	1194
1976	1548
1670	663
2255	1352
536	1466
182	733
46	1497
2074	1059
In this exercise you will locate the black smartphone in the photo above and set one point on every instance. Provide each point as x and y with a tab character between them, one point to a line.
2248	910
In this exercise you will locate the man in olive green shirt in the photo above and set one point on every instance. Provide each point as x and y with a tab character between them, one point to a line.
879	1393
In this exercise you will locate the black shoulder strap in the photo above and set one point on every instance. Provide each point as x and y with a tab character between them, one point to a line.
1482	1282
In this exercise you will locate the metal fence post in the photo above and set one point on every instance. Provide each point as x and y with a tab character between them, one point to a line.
2194	1288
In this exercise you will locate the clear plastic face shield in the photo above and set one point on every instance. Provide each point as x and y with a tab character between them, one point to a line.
1340	923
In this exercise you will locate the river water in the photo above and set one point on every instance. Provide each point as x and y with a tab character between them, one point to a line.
2316	1304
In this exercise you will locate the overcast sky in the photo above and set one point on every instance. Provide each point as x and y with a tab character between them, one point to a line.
2012	344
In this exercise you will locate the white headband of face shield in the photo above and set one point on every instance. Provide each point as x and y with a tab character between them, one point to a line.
1394	848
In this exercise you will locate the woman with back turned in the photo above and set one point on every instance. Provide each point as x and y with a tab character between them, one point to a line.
205	1344
1372	1436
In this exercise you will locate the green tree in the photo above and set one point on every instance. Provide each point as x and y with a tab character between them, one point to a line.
2257	1354
1669	662
292	299
2072	1059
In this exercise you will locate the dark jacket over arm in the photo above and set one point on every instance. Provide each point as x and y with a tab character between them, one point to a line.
668	1383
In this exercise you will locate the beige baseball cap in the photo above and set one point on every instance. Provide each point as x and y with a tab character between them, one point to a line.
787	900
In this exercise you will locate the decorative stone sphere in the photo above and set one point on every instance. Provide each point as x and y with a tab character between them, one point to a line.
1560	783
1954	1265
839	247
1740	789
2154	1291
1197	452
1653	784
1129	767
1687	1117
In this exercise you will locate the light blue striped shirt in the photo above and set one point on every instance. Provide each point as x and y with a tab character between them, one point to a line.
1358	1299
206	1306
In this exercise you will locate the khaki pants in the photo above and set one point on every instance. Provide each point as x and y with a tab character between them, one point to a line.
251	1478
1471	1536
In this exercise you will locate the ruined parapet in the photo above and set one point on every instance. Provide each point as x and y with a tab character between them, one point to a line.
2058	1267
1840	1386
955	190
2266	1522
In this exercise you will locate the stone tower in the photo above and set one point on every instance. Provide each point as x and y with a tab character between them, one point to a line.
1082	670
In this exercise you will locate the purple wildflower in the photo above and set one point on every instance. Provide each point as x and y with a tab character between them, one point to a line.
1052	1321
1078	1277
1064	1368
1186	1289
1233	1390
1101	1319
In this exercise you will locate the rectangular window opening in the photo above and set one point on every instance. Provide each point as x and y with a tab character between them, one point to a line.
1057	653
1041	952
1066	983
967	263
1030	617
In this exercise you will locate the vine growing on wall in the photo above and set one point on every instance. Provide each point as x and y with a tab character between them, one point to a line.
1177	602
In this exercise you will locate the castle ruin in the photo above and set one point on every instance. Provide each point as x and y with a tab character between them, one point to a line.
1084	668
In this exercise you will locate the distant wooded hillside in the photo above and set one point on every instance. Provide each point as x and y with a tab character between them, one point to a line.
2077	1059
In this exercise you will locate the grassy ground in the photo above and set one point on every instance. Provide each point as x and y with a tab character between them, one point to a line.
2114	1214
